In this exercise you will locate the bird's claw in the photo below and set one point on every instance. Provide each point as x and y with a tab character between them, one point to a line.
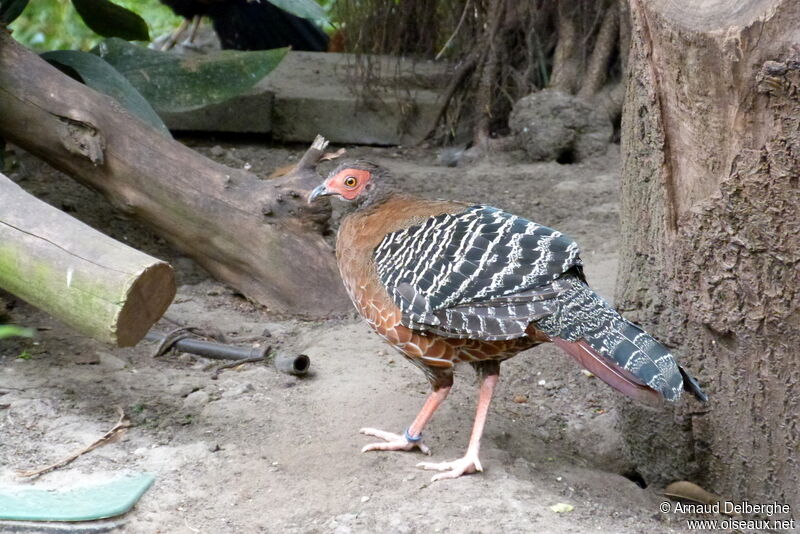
454	469
392	442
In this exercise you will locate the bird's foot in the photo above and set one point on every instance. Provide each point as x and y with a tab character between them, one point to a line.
189	44
454	469
392	442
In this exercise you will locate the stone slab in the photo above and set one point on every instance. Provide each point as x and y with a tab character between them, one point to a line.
312	93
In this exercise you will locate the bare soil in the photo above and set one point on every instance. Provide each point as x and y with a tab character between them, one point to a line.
260	451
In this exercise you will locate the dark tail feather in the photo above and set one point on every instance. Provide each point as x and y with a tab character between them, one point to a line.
613	375
691	385
583	317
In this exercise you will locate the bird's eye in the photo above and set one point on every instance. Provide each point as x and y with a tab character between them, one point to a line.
350	182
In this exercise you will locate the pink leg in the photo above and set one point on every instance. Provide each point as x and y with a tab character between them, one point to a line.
398	442
469	463
193	31
174	36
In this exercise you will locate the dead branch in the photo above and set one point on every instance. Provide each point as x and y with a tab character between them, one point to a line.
116	431
260	237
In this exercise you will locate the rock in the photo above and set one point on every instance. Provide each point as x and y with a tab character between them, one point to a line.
109	361
238	389
450	156
553	125
196	399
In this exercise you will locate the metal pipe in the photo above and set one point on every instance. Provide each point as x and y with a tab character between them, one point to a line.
294	365
208	349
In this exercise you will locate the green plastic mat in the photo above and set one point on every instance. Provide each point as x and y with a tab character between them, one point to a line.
84	503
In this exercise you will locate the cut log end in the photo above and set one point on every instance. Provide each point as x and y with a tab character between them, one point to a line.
99	286
147	299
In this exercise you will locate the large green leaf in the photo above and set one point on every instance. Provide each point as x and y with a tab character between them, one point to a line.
307	9
10	10
110	20
174	83
99	75
8	330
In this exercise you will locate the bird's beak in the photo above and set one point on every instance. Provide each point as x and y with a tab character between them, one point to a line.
319	191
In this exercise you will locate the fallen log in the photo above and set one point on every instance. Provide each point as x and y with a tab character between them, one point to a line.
258	236
99	286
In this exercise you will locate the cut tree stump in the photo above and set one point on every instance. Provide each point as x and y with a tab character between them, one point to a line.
261	237
99	286
711	238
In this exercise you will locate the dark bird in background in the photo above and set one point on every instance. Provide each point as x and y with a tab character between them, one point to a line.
247	25
447	282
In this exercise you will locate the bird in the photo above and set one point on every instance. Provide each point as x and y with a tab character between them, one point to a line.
247	25
446	282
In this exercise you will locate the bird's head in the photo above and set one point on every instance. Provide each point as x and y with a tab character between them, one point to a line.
353	181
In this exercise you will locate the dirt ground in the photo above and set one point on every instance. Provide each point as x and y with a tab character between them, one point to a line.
260	451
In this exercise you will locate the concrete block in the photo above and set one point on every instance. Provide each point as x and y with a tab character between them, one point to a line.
312	93
250	113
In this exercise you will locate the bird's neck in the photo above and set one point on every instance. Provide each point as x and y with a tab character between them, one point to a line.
379	193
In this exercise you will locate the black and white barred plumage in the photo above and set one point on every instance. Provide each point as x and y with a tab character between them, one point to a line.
481	273
486	274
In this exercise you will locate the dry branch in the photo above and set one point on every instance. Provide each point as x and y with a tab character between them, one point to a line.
99	286
258	236
117	430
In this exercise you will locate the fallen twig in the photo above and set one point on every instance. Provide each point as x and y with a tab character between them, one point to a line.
237	363
116	431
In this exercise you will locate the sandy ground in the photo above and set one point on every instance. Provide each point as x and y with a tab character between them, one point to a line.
260	451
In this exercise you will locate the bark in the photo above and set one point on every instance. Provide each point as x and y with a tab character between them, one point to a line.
605	43
97	285
711	144
566	60
624	35
488	73
258	236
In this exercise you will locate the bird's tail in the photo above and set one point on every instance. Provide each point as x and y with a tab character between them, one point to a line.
618	352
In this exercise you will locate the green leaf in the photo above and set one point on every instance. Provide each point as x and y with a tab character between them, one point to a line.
307	9
9	330
110	20
99	75
10	10
174	83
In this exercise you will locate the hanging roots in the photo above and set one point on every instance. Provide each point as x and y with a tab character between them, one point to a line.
498	50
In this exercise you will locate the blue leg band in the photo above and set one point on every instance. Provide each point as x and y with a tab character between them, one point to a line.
412	439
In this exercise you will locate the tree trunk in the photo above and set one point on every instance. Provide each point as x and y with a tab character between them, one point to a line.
566	59
97	285
604	45
260	237
711	254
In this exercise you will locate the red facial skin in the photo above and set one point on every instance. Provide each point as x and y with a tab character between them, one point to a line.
342	183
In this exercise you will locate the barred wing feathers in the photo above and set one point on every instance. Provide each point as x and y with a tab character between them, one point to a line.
481	273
